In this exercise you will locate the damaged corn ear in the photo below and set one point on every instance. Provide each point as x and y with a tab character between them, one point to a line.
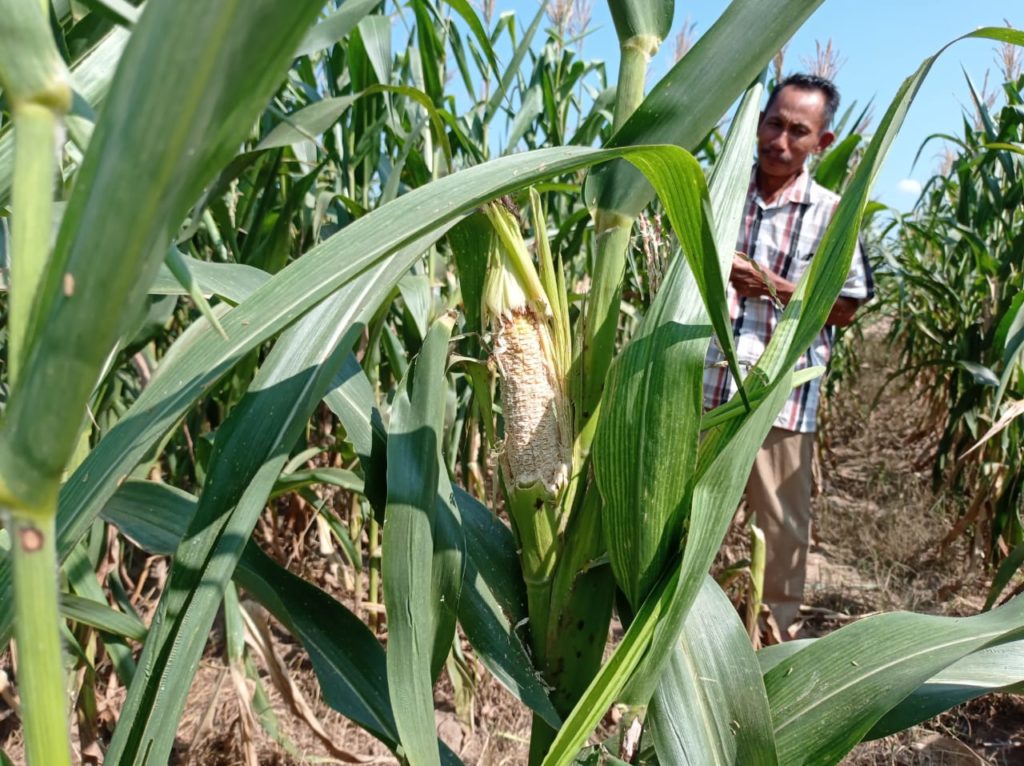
538	439
537	452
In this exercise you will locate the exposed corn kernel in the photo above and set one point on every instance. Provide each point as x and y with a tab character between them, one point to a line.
538	432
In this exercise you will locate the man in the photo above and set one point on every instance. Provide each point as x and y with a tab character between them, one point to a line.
786	216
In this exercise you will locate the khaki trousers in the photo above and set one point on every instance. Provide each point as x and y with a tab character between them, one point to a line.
779	492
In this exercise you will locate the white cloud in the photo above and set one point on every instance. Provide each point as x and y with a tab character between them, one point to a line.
909	186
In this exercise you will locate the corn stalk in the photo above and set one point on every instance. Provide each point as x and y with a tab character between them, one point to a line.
35	81
641	28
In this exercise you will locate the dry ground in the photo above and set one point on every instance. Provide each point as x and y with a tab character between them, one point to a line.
877	548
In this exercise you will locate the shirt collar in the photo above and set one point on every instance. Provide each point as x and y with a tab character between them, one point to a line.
797	192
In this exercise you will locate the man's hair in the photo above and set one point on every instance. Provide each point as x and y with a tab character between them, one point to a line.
811	82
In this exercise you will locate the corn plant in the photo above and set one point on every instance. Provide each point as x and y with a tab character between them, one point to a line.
613	479
952	278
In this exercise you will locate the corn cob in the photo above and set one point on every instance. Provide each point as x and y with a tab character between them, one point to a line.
538	439
537	451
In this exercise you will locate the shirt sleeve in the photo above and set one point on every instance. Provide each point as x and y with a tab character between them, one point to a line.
860	283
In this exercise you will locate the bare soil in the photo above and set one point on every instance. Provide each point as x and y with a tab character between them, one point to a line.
877	548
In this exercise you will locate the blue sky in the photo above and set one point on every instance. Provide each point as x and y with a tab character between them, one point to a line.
881	44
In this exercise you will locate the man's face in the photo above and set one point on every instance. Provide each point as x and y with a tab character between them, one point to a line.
790	129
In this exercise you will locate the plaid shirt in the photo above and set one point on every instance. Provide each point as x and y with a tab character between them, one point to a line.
782	238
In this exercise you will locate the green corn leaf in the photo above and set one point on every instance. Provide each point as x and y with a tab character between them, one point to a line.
336	477
468	14
299	460
1008	569
645	450
735	407
710	706
100	616
493	602
835	165
420	612
512	70
530	108
770	656
232	281
861	672
980	374
470	242
730	179
416	294
155	516
448	571
681	109
1009	337
310	121
351	398
727	191
991	133
431	53
306	123
178	265
234	626
348	660
92	74
375	32
81	575
997	669
479	378
249	452
723	465
181	128
1015	148
1010	333
335	27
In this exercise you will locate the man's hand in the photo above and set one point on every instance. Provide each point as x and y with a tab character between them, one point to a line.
751	282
